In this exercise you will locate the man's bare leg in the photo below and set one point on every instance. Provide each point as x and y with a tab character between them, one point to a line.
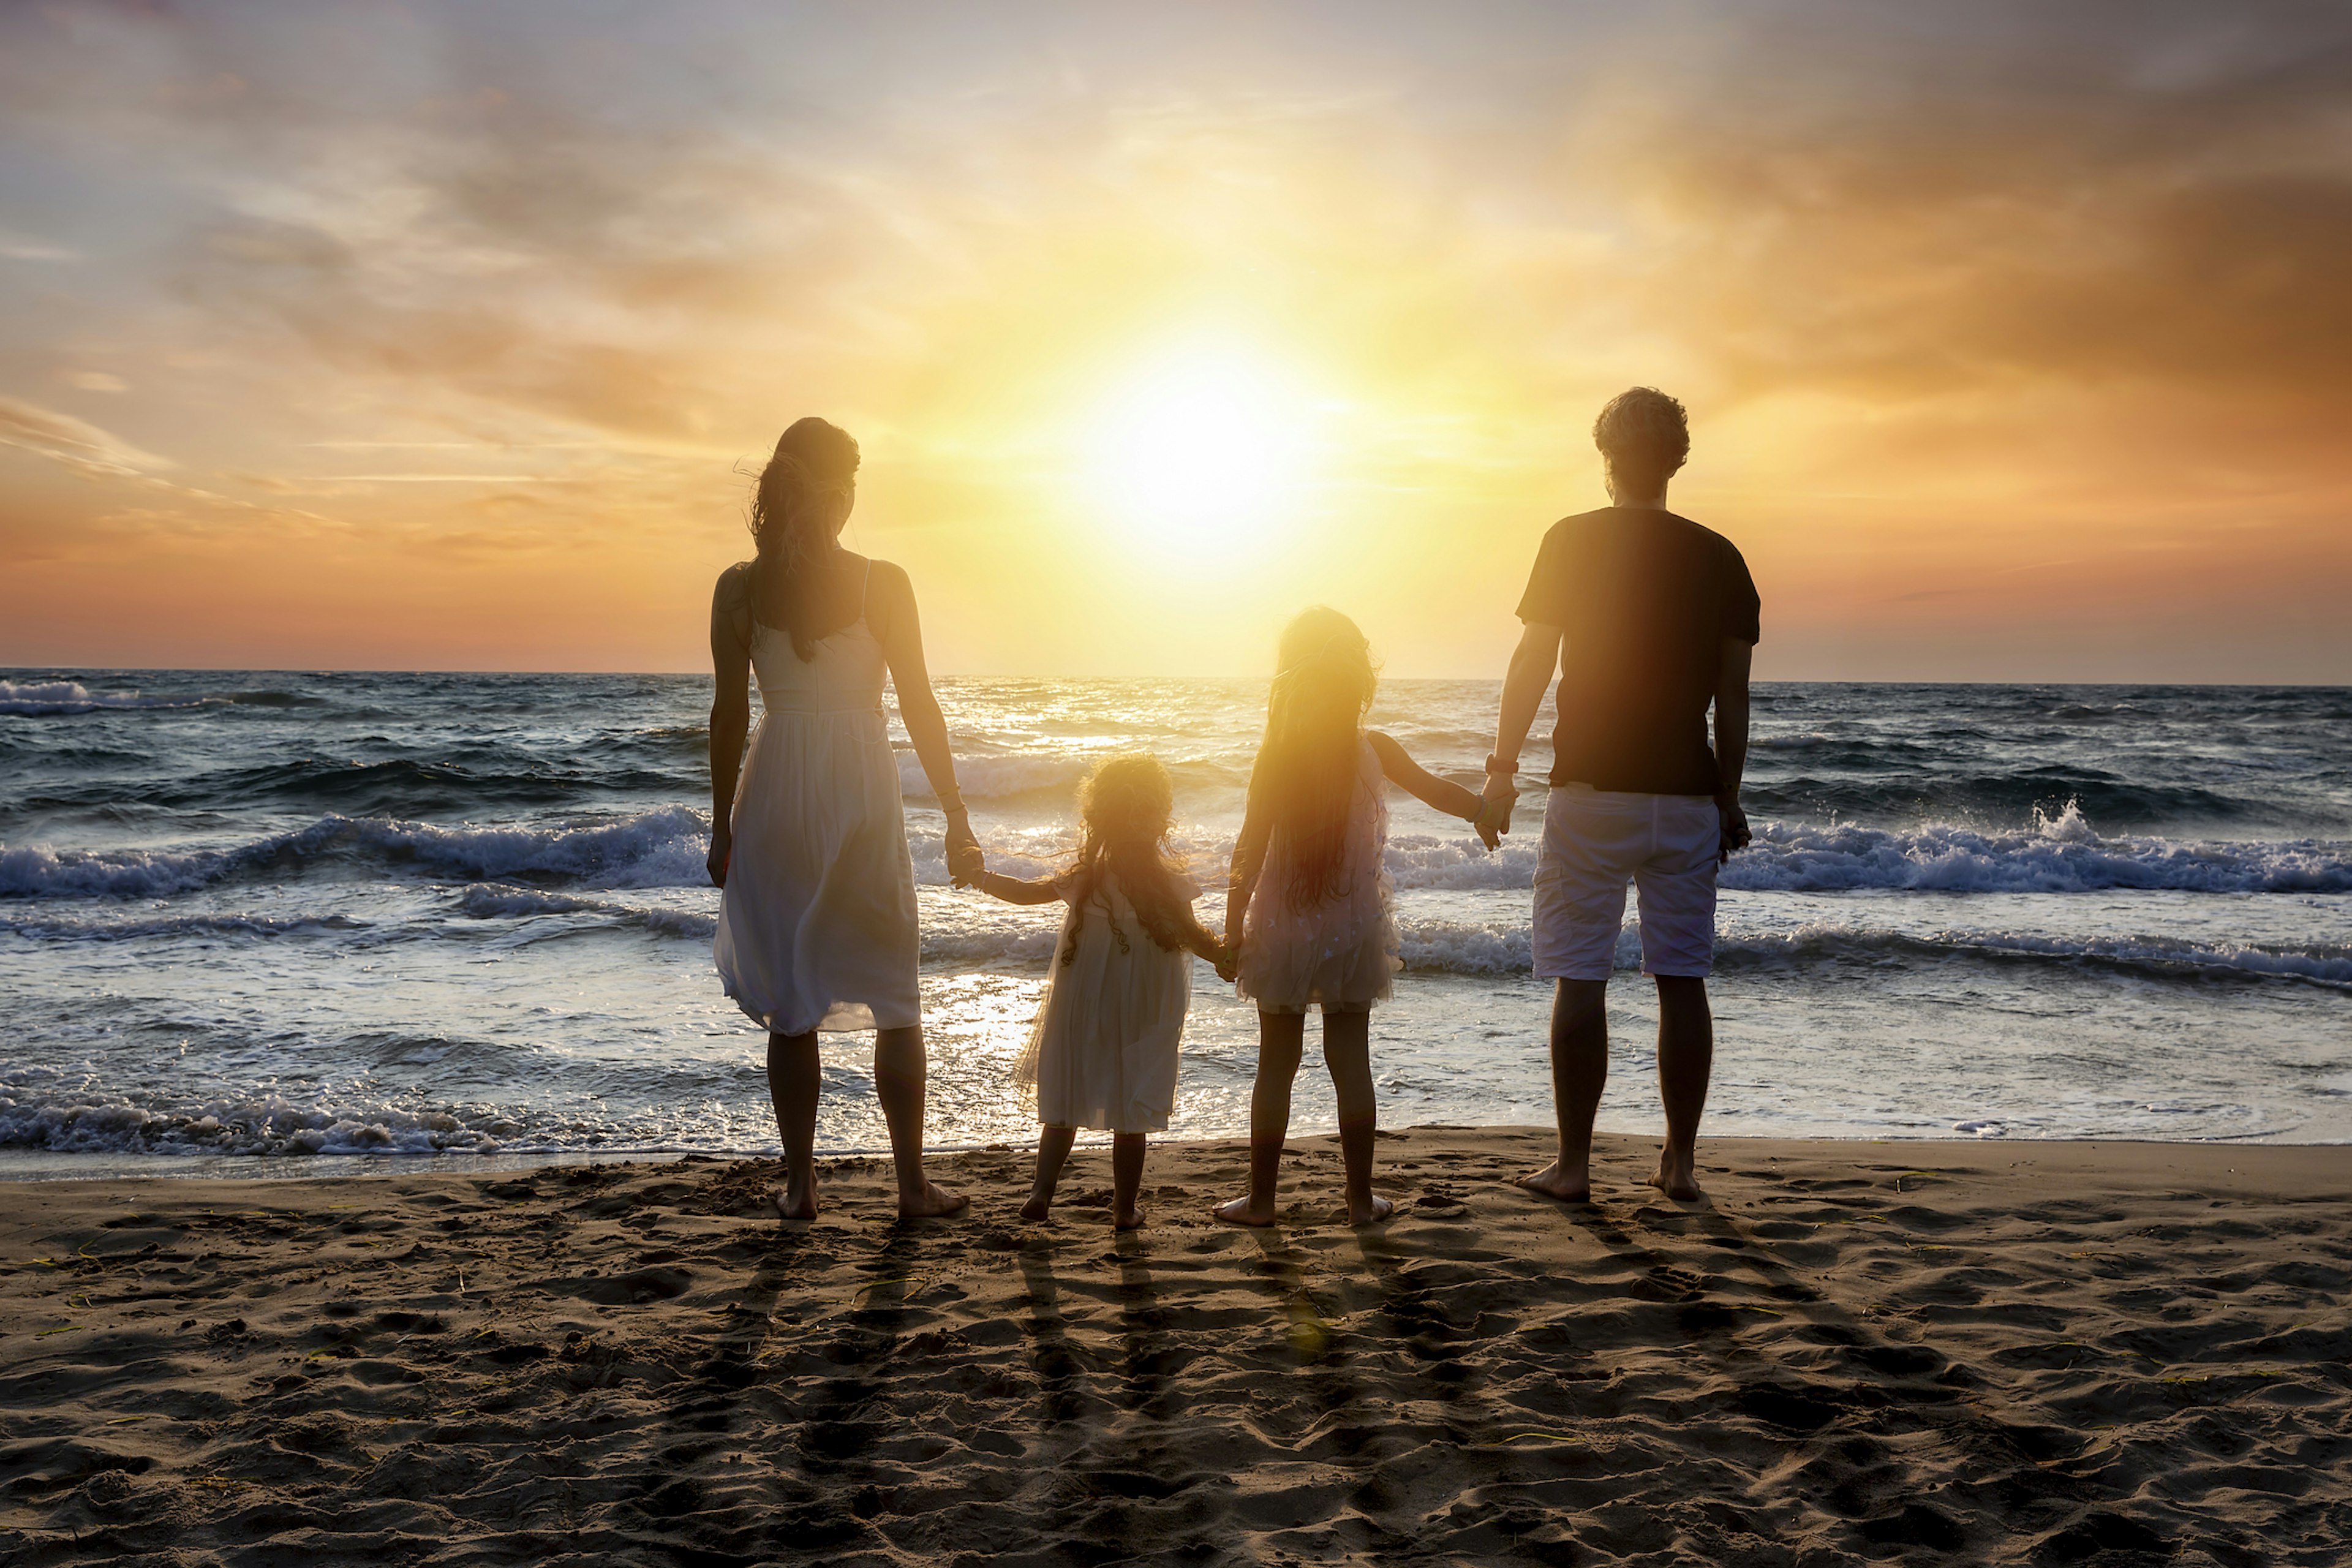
1580	1071
898	1074
1686	1062
1347	1052
1281	1040
793	1075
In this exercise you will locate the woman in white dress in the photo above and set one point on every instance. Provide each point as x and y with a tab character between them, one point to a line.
816	924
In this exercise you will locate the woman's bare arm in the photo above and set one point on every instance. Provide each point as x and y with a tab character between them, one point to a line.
1424	786
731	713
890	610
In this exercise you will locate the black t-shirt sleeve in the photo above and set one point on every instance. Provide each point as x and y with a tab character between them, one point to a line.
1546	599
1742	610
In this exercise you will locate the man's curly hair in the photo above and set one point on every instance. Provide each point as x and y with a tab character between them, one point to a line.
1644	438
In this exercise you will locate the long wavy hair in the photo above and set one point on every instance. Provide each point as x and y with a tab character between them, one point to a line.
1126	806
1305	777
814	467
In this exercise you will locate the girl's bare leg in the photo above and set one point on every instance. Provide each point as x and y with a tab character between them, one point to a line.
1281	1037
1126	1179
899	1074
1347	1052
793	1078
1053	1148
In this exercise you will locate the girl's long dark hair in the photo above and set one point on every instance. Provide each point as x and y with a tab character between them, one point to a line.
1126	804
1306	774
814	464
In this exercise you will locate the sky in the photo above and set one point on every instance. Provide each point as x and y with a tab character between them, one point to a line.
2017	339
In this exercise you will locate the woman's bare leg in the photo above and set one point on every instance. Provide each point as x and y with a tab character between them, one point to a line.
793	1078
1125	1180
1281	1037
1053	1148
1347	1052
898	1074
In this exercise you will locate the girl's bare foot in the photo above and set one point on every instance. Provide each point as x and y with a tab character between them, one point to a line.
1371	1212
1553	1182
1128	1219
787	1207
931	1201
1036	1210
1247	1211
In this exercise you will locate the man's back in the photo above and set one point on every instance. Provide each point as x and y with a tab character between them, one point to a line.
1645	599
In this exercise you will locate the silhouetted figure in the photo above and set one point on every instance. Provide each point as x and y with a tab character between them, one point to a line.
1103	1051
816	927
1308	900
1648	618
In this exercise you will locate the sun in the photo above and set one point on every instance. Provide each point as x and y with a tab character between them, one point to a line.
1205	442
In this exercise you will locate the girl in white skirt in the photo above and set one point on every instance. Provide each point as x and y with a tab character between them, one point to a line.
1310	894
1103	1051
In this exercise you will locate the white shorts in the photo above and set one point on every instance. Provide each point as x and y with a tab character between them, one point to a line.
1596	841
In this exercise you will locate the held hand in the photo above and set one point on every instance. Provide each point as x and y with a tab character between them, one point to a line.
1494	820
1736	835
965	862
722	849
1229	961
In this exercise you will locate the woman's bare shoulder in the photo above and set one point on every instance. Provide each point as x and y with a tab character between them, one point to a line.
733	583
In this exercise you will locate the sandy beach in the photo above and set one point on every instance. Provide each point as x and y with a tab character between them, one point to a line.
1852	1352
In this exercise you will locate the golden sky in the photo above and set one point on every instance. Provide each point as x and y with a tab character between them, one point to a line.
2017	339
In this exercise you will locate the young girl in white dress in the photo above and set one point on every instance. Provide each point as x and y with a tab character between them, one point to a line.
1310	898
1103	1051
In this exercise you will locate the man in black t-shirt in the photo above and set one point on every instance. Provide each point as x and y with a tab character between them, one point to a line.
1648	619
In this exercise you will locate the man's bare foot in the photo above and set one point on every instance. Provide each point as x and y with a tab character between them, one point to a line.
1128	1219
931	1201
1563	1186
1036	1210
1678	1181
1372	1211
787	1207
1680	1188
1247	1211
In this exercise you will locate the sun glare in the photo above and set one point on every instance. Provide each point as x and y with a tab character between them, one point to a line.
1208	443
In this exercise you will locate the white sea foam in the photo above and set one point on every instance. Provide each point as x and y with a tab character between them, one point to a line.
64	1120
55	699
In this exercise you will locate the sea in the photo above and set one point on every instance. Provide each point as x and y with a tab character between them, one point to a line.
268	923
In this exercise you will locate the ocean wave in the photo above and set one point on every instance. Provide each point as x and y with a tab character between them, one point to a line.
650	850
1453	947
165	927
58	698
62	1121
2059	853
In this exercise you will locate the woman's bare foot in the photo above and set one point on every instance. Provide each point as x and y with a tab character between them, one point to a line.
1247	1211
1563	1185
1128	1219
787	1207
1036	1210
1371	1212
931	1201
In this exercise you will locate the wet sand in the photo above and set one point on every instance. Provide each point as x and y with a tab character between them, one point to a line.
1982	1352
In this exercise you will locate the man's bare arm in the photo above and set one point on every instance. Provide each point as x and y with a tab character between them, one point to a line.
1533	664
1731	740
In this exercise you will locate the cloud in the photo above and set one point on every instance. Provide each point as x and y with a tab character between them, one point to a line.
73	442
